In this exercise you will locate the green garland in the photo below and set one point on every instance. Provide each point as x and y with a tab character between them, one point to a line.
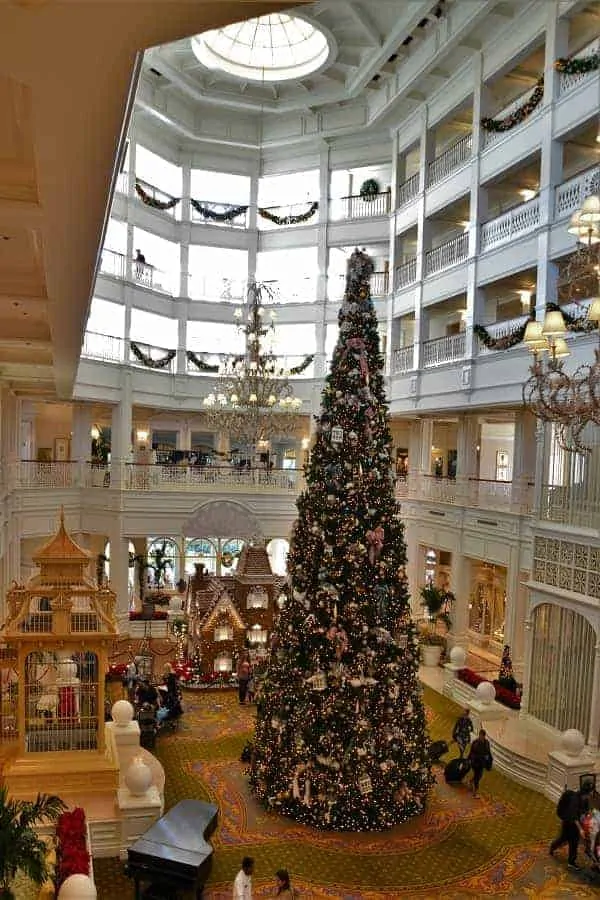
296	370
369	189
199	363
150	363
518	115
148	200
581	65
576	324
228	215
502	343
290	220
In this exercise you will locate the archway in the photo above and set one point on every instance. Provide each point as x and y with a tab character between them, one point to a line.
223	518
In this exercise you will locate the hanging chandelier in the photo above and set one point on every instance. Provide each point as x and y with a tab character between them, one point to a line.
570	402
253	399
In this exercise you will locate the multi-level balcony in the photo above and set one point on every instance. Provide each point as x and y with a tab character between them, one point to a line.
480	493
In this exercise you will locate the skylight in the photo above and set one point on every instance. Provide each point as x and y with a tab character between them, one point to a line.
276	47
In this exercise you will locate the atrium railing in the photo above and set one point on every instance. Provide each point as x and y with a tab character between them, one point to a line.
501	329
157	359
569	82
437	488
478	493
577	505
403	359
104	347
523	219
569	196
405	274
211	212
298	290
113	263
408	190
379	285
216	288
305	213
451	159
448	254
215	359
207	478
443	350
160	196
491	137
355	207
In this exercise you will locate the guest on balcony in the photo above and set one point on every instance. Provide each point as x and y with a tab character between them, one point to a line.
140	262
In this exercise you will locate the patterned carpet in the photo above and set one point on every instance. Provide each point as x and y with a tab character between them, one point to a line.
461	848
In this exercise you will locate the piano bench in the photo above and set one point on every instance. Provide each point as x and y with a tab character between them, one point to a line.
160	890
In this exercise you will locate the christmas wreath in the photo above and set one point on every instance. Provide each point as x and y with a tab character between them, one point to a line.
369	190
228	215
290	220
199	362
150	363
148	200
579	65
518	115
296	370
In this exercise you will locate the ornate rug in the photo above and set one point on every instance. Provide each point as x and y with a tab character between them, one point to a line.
460	848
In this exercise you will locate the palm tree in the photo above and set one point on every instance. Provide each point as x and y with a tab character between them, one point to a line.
21	848
438	603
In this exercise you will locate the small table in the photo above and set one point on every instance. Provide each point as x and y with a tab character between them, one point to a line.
175	851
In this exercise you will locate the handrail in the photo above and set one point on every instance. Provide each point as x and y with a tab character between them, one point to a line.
448	254
569	196
408	190
221	210
490	137
405	274
157	194
453	157
519	220
568	81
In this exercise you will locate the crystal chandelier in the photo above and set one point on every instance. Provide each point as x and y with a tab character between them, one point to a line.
253	399
569	401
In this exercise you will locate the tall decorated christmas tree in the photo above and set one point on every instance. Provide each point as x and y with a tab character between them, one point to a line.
341	739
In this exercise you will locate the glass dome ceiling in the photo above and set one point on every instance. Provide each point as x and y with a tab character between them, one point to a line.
276	47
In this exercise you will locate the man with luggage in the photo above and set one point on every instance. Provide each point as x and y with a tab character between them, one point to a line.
571	806
462	731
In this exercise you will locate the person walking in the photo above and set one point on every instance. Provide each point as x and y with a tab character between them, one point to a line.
244	672
571	806
284	889
462	731
480	757
242	885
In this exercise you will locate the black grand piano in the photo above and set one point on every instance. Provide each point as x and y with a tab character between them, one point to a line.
174	854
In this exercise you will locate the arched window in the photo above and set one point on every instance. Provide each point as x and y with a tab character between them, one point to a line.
163	561
200	550
230	552
562	668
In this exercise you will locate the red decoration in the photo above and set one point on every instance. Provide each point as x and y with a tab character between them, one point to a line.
375	541
503	695
72	852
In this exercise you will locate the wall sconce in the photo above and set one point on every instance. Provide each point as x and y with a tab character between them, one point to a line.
94	432
142	435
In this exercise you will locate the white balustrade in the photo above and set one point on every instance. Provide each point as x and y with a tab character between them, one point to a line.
569	82
443	350
104	347
34	474
521	220
298	290
405	274
403	359
447	254
218	210
155	279
408	190
160	197
355	207
154	355
112	263
491	494
122	185
217	288
210	478
575	504
491	137
290	211
442	490
502	329
451	159
569	196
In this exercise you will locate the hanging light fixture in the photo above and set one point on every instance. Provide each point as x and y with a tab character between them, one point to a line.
254	400
570	402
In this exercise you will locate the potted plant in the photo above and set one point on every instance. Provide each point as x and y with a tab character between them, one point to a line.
437	603
21	848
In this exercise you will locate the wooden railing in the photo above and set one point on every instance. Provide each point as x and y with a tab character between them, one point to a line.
447	254
451	159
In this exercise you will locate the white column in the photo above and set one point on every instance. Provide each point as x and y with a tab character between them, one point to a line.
467	439
82	426
460	585
594	729
121	425
414	568
426	443
524	456
528	625
119	573
182	320
477	207
253	236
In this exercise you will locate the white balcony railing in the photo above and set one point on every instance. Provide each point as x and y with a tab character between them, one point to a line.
160	197
569	196
491	137
220	214
451	159
447	254
33	474
502	329
441	490
104	347
489	493
516	222
155	354
210	478
443	350
405	274
379	285
577	505
403	359
354	207
291	211
217	287
155	279
569	82
408	190
112	263
297	290
122	185
478	493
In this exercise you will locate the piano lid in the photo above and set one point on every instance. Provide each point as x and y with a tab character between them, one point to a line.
179	836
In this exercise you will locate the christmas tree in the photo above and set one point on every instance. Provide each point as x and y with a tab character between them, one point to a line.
341	738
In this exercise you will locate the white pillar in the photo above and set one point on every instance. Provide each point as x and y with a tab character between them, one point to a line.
594	729
119	574
121	425
460	585
524	458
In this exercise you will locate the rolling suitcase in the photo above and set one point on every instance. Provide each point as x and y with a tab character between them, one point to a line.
456	770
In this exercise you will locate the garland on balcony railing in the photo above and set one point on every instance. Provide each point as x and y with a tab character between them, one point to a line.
150	363
199	362
576	324
369	189
148	200
296	370
500	343
577	65
519	114
290	220
228	215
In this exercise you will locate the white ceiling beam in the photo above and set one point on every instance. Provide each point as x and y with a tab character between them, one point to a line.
365	22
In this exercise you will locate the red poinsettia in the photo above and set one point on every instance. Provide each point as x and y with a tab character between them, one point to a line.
72	853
